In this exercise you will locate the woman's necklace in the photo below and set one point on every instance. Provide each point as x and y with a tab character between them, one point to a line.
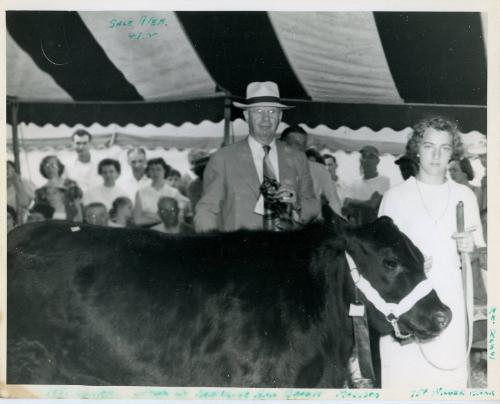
435	220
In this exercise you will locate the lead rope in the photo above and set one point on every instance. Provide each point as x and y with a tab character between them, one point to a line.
468	297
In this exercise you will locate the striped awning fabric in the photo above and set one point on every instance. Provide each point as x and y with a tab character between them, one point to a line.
354	69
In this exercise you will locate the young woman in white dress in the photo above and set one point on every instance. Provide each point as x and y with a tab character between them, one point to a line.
424	208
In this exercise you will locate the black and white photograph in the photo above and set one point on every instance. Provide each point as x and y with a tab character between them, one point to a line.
259	203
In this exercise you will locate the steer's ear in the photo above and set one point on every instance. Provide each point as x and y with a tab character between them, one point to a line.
385	223
330	217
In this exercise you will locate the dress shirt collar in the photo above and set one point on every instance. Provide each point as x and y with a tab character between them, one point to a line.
256	147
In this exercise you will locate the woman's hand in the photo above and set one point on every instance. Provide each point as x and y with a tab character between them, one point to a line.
465	241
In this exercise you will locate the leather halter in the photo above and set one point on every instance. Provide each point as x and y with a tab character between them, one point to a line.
391	311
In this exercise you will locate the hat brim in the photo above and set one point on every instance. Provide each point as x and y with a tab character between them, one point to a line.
369	153
262	104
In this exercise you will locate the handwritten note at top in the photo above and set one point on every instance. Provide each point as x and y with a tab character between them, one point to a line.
141	27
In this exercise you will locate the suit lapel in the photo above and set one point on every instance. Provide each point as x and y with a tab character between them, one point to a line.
247	167
285	164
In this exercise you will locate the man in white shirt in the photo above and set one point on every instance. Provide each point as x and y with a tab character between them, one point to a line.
232	180
169	210
83	169
107	192
365	194
339	185
136	177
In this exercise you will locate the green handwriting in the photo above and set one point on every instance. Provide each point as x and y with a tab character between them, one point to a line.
373	395
442	392
302	394
143	21
493	314
481	393
141	35
419	393
104	394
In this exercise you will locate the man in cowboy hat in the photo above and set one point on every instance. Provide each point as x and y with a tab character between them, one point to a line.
233	178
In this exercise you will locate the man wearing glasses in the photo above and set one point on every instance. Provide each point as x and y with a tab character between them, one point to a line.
255	183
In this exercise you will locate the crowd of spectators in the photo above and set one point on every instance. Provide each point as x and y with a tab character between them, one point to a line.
131	198
96	192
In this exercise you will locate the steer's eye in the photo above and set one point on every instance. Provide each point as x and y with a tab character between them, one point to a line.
390	263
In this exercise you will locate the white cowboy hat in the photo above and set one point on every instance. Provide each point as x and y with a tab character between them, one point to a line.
262	94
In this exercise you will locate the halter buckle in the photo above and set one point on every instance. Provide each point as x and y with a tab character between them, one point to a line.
393	320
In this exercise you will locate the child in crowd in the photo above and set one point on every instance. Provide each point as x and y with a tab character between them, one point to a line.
40	212
174	178
121	212
96	213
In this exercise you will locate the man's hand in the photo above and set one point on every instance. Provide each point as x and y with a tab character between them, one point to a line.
286	194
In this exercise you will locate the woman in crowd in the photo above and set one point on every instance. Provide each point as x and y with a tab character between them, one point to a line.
121	212
108	191
65	195
462	172
67	206
52	170
424	208
146	201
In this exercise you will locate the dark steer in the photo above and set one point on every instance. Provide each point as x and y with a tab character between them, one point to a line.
102	306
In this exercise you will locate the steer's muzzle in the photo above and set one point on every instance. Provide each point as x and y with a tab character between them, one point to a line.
428	318
441	319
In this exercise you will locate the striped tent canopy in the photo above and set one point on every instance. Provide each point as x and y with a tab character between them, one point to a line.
341	69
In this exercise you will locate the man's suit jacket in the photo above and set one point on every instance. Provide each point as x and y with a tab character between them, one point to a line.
231	188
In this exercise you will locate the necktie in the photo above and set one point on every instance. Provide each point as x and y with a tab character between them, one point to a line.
269	177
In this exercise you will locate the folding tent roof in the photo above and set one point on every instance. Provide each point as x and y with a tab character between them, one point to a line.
341	69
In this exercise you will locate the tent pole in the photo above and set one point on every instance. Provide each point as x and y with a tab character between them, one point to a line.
227	121
15	139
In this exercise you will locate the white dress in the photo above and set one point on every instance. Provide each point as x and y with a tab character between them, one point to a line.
103	194
427	215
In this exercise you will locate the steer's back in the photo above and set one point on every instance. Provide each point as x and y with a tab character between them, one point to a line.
94	305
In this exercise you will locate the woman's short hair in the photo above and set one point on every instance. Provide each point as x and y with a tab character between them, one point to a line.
466	167
437	123
109	162
158	161
43	163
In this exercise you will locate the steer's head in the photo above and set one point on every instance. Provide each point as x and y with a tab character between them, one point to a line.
394	267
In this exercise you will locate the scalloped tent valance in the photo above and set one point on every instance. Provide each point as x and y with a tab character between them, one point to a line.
207	135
